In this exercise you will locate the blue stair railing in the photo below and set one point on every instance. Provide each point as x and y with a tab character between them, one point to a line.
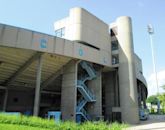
81	103
85	91
87	95
89	68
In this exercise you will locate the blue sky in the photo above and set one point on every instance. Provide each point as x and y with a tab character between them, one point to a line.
39	15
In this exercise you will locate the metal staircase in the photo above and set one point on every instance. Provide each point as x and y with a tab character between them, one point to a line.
86	93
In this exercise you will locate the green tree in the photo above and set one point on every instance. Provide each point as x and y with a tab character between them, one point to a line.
152	99
163	86
162	101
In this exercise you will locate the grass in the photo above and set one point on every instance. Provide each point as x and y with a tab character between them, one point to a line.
19	127
26	121
11	122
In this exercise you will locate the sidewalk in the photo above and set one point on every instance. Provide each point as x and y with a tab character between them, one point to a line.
155	122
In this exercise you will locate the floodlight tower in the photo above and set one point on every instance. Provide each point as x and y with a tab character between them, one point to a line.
151	32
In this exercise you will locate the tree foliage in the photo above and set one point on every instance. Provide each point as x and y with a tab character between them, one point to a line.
152	99
162	101
163	86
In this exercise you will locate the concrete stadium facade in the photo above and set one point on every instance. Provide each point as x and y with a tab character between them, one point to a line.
88	71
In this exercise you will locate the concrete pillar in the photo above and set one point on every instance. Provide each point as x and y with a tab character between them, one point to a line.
95	109
127	76
144	97
37	88
139	96
117	99
69	91
5	100
109	94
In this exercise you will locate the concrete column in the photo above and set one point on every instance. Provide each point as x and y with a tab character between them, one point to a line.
127	76
144	97
37	88
139	96
69	91
95	109
117	99
5	100
109	94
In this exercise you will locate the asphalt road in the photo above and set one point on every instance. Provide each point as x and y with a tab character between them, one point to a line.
155	122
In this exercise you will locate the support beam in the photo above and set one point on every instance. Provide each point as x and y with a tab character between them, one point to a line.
117	100
138	90
143	97
50	92
37	89
53	76
22	68
5	100
2	87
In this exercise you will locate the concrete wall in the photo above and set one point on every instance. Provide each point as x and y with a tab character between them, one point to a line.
20	101
142	94
22	38
84	27
127	74
95	109
69	91
109	94
141	82
139	70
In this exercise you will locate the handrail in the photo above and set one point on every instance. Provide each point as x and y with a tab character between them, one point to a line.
82	87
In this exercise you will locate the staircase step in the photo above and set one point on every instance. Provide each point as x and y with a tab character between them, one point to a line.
89	69
81	104
84	113
88	96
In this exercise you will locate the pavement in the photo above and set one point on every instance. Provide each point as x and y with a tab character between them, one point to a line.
155	122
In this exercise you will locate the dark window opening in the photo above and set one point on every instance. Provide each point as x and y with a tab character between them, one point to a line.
116	117
15	100
115	59
114	45
60	32
113	31
87	44
141	72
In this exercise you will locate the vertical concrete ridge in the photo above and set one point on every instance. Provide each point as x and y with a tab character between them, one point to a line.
69	91
127	75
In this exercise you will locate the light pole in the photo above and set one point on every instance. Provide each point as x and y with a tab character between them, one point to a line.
151	32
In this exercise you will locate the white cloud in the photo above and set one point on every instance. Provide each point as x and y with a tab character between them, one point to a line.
152	89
